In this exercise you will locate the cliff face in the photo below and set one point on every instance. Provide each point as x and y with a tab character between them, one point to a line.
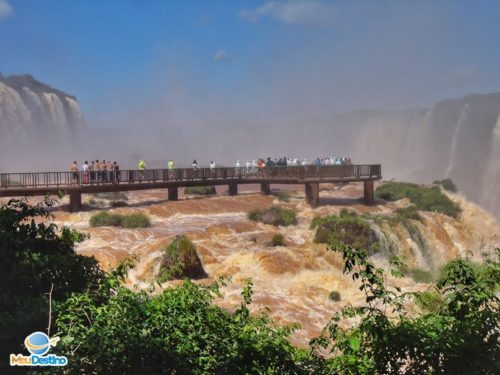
31	110
459	139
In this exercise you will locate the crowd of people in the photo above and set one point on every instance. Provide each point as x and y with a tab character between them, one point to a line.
109	172
96	172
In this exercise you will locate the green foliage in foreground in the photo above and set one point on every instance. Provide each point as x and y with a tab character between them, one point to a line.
275	216
105	219
447	184
282	196
36	257
200	190
423	197
347	228
107	328
179	331
180	260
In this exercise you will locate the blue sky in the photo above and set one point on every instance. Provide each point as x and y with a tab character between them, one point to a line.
261	60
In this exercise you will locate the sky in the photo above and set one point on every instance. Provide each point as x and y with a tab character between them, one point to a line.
253	61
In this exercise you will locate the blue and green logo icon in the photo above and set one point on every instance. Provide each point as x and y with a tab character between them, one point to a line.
38	344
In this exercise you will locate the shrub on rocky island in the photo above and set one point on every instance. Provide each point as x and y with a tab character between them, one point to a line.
180	260
275	216
423	197
106	219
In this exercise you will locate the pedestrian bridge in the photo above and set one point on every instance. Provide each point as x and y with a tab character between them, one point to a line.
76	184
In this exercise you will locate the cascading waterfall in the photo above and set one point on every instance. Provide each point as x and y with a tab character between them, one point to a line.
454	141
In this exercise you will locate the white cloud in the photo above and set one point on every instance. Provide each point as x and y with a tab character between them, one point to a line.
221	55
5	9
292	12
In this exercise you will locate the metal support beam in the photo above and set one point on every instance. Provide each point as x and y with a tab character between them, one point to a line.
233	189
312	193
368	192
265	188
173	194
75	200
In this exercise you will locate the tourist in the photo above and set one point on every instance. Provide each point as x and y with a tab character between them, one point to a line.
171	166
116	171
92	172
74	171
85	169
141	165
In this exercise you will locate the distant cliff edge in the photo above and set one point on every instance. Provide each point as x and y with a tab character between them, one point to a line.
32	110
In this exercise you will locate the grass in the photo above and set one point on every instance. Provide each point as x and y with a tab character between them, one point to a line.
347	228
447	184
334	296
282	196
179	260
277	240
275	216
404	214
105	219
200	190
423	197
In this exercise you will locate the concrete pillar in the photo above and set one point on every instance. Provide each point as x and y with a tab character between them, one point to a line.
173	194
233	189
265	188
75	200
312	193
368	192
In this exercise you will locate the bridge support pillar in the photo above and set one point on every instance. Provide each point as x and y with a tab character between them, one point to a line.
265	188
75	200
173	194
368	192
233	189
312	193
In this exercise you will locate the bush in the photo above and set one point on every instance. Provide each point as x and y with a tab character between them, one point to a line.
423	197
105	219
180	260
347	228
275	216
406	213
277	240
96	203
282	196
136	220
117	204
334	296
447	184
429	301
200	190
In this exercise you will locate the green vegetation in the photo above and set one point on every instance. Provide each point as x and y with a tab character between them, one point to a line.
107	328
37	258
406	213
447	184
275	216
419	275
277	240
334	296
423	197
117	204
282	196
430	301
180	260
105	219
200	190
96	203
348	228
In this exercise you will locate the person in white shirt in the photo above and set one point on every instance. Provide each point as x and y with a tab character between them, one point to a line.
238	167
85	169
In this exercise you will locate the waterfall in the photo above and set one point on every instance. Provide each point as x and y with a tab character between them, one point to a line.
454	141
